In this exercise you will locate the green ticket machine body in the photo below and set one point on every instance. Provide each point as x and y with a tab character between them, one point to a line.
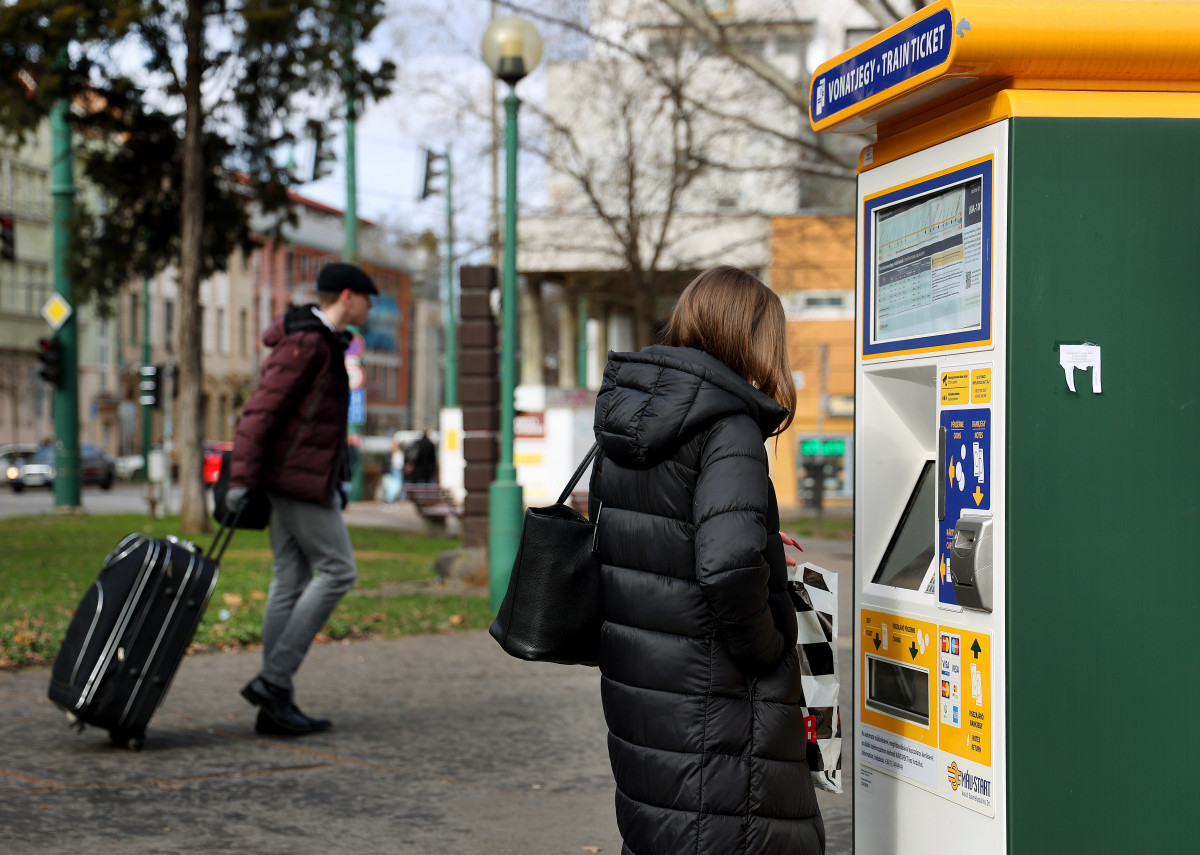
1027	426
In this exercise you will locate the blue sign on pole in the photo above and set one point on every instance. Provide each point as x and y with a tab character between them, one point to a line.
358	407
913	50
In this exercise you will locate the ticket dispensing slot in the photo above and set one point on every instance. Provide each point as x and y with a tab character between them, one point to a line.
897	689
971	563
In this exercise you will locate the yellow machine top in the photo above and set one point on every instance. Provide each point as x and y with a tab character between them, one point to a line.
955	53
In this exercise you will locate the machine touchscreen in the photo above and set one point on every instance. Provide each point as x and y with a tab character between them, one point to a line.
913	542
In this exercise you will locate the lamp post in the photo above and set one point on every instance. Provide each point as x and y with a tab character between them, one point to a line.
511	48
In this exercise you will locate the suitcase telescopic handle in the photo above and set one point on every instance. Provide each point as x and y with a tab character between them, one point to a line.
224	535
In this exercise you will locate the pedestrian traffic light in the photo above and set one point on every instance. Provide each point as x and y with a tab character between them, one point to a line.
8	245
50	355
323	155
431	172
149	387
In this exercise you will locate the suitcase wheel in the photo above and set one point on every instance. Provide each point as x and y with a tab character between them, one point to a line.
134	742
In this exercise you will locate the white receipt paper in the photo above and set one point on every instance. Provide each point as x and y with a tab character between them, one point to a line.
1083	356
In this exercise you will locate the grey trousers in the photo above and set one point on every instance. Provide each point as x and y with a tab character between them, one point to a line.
305	537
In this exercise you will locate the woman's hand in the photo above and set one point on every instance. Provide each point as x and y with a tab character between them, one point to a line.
788	540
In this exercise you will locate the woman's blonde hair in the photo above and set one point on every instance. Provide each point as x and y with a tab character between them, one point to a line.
733	316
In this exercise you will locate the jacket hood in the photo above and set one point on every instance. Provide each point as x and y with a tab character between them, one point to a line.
652	402
300	319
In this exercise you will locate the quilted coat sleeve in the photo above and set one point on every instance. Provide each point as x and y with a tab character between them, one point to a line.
287	376
729	513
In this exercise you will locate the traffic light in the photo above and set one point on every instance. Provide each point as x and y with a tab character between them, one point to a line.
8	245
323	155
432	173
50	355
149	387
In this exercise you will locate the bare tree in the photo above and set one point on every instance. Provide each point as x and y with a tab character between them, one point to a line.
715	30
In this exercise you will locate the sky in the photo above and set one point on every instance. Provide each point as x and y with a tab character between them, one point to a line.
439	100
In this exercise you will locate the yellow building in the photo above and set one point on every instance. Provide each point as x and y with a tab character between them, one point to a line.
812	270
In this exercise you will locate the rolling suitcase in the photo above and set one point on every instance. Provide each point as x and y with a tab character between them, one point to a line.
131	631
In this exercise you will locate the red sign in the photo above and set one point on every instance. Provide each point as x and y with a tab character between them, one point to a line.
530	425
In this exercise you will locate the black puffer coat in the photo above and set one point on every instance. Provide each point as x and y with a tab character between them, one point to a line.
700	676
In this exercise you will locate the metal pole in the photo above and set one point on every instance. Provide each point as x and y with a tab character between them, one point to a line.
350	218
451	395
822	406
350	223
66	394
581	345
147	412
505	497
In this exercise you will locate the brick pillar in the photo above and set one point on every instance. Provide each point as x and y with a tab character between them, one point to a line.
479	395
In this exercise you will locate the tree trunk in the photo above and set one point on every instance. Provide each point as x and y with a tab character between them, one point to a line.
194	508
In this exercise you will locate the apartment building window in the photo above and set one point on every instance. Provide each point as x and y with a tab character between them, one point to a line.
133	317
222	346
169	325
102	353
243	333
818	305
39	286
856	36
717	8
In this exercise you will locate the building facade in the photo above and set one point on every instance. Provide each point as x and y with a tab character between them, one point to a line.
236	306
661	166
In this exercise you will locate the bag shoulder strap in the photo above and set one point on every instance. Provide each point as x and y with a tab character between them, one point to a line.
587	461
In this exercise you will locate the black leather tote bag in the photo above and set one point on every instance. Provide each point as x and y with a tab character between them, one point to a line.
551	611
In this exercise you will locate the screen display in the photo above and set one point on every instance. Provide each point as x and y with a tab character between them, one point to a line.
929	262
913	542
898	690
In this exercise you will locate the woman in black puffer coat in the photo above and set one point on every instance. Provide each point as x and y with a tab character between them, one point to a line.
700	675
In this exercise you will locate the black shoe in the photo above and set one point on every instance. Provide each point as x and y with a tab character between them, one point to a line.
275	704
265	725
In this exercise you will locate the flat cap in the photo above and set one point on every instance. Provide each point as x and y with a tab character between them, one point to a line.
338	277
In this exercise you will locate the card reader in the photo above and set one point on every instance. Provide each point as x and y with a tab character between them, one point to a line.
971	563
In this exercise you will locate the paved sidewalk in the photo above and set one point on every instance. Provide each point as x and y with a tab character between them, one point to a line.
441	744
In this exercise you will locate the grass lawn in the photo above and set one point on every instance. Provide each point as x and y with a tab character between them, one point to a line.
49	561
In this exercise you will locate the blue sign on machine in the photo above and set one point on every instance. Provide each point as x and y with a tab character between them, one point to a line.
916	49
968	472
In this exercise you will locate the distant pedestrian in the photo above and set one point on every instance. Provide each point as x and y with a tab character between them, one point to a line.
422	459
291	440
395	484
700	673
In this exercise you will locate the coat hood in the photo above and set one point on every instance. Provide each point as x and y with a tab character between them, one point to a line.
652	402
300	319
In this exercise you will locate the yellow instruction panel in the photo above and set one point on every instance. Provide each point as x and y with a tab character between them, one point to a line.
925	705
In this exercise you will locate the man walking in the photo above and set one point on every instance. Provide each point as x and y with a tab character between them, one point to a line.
291	442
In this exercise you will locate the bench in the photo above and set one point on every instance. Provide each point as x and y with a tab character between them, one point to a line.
434	502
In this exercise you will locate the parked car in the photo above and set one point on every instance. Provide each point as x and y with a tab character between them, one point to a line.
95	467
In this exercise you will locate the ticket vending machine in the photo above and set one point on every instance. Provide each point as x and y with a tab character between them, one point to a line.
1027	426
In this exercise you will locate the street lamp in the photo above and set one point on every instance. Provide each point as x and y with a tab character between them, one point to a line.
512	48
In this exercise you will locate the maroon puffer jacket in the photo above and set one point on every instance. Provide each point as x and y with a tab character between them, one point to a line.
291	437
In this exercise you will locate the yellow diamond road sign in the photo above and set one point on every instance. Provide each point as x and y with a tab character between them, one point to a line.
56	311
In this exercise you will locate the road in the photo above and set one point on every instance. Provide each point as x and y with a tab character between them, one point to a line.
122	498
